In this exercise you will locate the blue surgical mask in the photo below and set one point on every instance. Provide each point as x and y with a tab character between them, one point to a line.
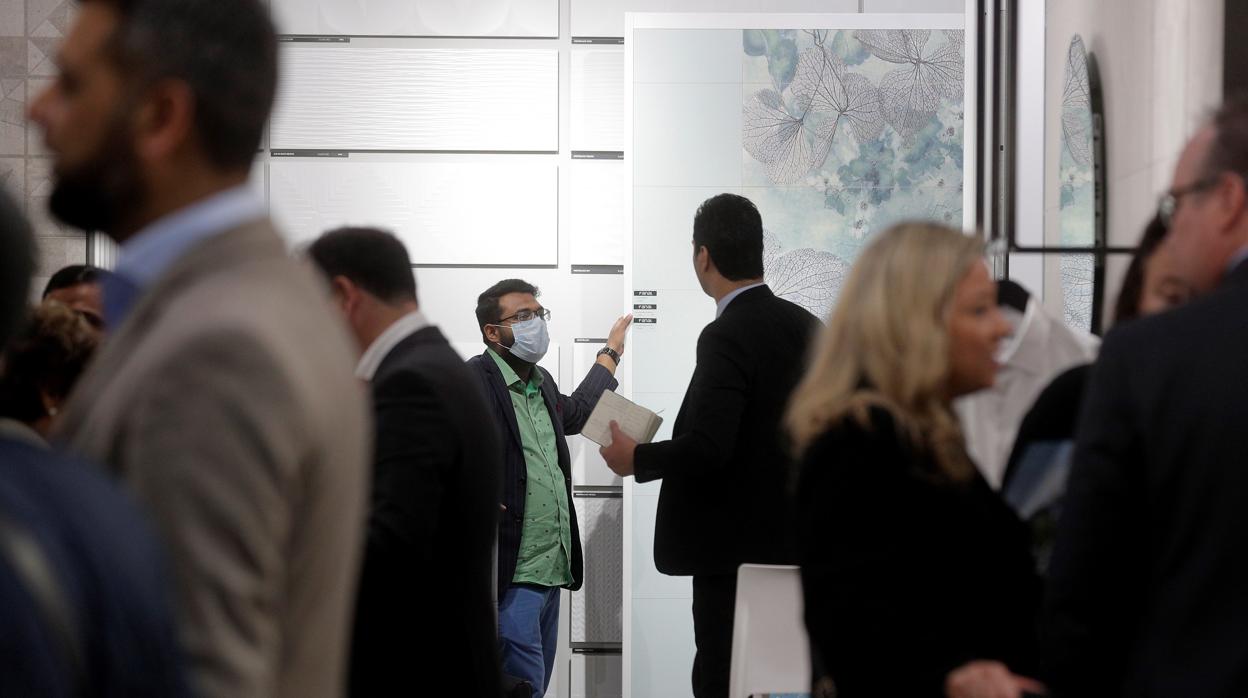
532	340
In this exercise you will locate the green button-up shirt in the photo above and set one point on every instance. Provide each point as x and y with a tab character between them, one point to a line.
546	536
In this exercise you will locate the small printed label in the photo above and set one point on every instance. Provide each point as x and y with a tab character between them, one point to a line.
597	155
645	321
316	39
597	268
645	306
646	293
310	153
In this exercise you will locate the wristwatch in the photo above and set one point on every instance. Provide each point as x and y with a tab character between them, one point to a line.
615	355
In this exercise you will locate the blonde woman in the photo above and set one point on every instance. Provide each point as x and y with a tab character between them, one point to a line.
917	578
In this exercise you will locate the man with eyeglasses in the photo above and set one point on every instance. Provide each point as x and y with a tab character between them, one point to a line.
1148	592
539	548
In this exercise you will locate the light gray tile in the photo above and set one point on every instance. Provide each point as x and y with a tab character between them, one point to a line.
12	57
49	18
12	17
38	188
34	134
41	56
12	116
58	252
13	178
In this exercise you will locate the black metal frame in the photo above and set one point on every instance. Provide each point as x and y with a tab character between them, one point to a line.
1004	61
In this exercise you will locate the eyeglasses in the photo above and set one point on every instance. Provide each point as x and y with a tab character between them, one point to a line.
1169	202
526	315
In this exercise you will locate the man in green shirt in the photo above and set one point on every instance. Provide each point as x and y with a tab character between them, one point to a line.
539	547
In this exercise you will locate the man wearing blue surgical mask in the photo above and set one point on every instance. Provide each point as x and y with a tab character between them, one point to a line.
539	548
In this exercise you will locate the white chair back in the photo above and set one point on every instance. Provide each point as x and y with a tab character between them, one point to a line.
770	650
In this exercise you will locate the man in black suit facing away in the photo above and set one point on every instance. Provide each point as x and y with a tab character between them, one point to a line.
424	612
725	470
1149	580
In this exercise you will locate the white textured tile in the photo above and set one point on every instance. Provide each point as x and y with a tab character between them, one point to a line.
493	18
914	6
597	96
597	608
687	135
596	195
446	213
606	17
396	99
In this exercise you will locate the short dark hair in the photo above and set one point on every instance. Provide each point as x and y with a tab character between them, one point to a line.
17	264
373	259
225	50
488	311
1128	305
47	356
1229	150
731	230
70	276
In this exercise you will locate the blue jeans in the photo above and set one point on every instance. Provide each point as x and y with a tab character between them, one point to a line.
528	631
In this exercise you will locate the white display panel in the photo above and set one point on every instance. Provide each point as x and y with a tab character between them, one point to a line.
398	99
747	104
458	18
596	194
441	211
606	17
597	96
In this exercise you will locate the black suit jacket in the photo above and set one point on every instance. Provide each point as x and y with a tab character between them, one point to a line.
424	616
1149	581
907	575
568	413
725	470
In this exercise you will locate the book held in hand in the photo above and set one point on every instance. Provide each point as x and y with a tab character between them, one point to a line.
638	422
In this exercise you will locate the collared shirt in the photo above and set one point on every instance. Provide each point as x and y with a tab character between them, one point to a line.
1042	347
398	331
19	431
546	535
723	302
147	255
1237	259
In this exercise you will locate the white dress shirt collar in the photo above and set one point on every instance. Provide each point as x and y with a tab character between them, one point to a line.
723	302
400	330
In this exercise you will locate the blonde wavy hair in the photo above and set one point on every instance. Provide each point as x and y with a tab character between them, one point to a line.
887	344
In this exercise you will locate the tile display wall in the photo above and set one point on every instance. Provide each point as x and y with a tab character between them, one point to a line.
30	32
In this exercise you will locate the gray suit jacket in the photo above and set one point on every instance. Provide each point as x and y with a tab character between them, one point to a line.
226	401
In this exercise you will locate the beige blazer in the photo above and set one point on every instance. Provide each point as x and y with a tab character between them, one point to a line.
226	401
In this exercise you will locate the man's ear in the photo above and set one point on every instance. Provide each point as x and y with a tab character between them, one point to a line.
345	292
1232	208
164	119
703	259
